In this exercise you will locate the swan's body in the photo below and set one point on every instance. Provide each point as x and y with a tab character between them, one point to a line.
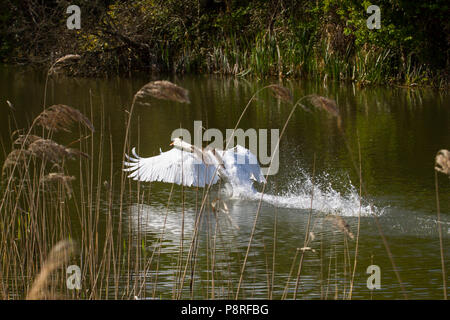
189	165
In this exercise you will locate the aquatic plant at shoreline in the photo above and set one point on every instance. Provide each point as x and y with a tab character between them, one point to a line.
327	40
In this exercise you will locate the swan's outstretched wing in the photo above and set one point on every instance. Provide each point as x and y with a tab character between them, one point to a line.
174	166
242	164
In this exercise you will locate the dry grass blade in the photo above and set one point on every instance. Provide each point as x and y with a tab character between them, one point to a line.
61	117
341	224
164	90
442	162
58	256
281	93
47	149
14	157
56	177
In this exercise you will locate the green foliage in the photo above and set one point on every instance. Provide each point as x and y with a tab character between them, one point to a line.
326	39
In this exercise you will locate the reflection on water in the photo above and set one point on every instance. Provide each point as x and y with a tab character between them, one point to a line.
399	132
166	225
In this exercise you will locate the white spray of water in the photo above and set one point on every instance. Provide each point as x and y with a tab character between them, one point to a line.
325	198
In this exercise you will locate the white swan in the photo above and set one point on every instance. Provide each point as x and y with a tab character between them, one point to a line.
189	165
238	168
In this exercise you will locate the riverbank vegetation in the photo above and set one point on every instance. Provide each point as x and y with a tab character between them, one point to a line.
328	40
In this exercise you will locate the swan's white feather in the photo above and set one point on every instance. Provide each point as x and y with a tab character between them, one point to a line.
174	166
238	165
242	165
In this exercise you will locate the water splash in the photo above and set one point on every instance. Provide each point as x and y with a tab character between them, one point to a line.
325	198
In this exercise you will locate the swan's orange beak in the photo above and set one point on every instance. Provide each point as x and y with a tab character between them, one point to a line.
171	144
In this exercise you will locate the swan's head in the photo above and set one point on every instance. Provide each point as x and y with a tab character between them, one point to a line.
180	144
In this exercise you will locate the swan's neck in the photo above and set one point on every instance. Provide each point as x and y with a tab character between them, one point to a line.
207	156
184	146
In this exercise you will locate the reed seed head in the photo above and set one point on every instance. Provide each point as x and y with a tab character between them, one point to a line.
281	93
47	149
15	157
442	162
63	61
56	177
61	117
58	256
326	104
26	140
164	90
68	58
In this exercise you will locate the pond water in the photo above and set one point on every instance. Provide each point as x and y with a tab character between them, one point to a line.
399	132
